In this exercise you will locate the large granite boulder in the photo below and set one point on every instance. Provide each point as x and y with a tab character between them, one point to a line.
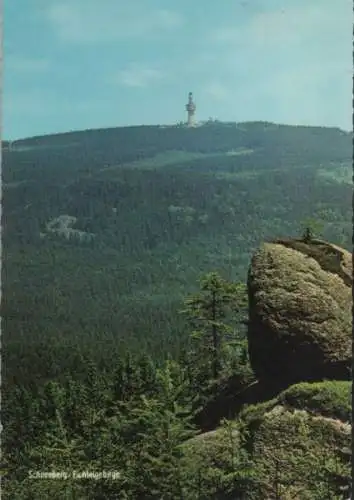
300	311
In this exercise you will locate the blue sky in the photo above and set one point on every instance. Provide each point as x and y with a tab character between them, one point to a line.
79	64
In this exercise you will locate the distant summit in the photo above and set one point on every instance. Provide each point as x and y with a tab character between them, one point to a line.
251	127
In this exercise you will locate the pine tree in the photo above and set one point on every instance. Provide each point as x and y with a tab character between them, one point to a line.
217	465
310	229
154	429
208	311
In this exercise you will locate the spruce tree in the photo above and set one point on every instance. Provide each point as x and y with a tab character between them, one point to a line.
211	312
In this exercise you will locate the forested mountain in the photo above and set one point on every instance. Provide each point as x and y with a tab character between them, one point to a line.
109	359
105	231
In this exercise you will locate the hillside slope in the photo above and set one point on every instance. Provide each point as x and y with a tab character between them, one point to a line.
160	206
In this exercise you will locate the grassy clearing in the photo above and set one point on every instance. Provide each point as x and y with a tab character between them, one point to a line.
341	173
161	160
173	157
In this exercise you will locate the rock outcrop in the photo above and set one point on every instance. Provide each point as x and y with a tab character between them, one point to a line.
299	443
296	453
296	436
292	435
300	311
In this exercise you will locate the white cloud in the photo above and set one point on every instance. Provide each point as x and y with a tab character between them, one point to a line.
294	63
216	90
22	64
90	21
136	75
300	24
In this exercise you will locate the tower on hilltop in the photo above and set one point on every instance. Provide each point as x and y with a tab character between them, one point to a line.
190	107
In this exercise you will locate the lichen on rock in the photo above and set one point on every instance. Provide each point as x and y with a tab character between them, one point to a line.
292	436
300	455
300	319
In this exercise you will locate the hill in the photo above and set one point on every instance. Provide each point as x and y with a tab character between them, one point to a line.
105	231
105	234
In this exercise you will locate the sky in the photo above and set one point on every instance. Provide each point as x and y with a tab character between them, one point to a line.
82	64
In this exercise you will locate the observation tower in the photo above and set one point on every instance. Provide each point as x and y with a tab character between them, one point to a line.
190	107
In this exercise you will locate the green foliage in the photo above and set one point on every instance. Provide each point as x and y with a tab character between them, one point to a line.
138	436
144	432
209	314
312	228
166	205
296	449
217	464
159	427
331	398
253	413
296	455
91	326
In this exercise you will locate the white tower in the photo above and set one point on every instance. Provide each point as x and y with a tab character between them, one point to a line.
190	107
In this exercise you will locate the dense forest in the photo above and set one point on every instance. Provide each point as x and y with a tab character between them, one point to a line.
113	242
